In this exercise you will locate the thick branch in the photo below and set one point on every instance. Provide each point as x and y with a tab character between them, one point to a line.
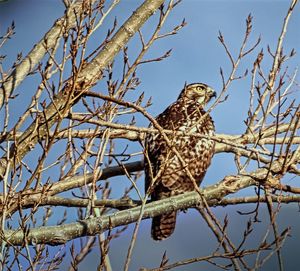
55	235
48	42
85	79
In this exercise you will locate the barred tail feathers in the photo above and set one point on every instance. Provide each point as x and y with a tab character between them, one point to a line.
163	226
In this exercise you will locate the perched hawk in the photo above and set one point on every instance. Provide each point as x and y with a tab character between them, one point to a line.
166	176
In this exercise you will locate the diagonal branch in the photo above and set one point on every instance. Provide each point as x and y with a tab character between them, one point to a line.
28	64
86	78
55	235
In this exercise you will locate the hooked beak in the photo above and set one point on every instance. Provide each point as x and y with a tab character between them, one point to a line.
212	93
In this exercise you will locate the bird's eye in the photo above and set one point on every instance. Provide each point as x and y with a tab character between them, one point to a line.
198	88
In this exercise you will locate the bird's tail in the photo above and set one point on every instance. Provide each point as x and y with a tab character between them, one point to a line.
163	226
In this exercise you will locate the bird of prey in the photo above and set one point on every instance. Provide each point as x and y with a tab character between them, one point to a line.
165	175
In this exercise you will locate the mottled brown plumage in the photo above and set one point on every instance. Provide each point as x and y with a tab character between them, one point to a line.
166	176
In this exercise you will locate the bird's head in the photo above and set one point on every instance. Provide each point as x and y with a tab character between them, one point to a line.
198	92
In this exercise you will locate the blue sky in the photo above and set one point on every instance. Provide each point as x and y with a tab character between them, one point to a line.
197	56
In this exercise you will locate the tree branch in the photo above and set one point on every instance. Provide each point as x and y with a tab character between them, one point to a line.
48	42
55	235
87	77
